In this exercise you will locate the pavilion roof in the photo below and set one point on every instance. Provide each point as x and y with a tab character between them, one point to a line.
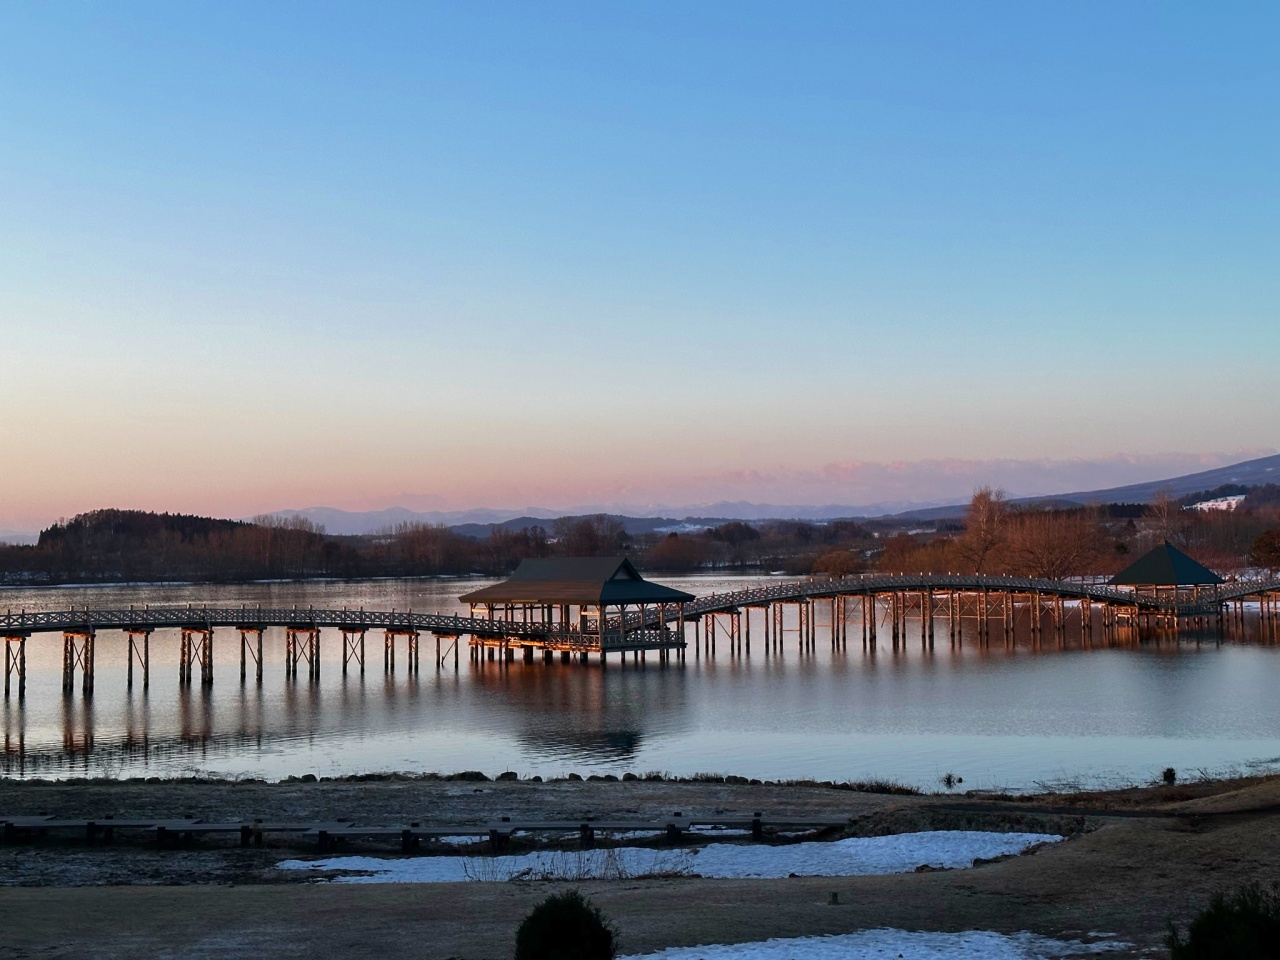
577	580
1165	566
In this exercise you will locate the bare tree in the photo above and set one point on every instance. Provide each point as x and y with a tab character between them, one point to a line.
1055	543
1169	520
985	523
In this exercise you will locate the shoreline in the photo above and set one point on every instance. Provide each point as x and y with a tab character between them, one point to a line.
1134	859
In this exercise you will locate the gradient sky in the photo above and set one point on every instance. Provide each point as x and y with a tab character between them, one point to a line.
257	256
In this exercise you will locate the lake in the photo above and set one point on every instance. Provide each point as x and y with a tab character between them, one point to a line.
999	718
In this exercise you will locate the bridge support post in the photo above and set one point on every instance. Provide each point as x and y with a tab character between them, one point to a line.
873	617
196	648
77	652
140	652
895	613
302	643
986	616
353	648
251	651
15	664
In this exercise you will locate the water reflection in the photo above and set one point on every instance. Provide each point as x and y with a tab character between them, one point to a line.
1001	713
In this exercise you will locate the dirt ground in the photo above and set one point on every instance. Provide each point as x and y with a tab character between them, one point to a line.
1125	875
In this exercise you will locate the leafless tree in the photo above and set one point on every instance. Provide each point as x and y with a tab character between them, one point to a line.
985	524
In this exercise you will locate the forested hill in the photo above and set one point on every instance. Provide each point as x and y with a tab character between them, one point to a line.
121	530
123	545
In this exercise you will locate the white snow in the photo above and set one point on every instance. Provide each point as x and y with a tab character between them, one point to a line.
1218	503
855	856
868	944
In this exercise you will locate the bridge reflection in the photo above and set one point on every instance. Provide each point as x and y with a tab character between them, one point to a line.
558	714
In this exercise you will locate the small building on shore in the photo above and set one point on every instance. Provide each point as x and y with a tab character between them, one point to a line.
583	604
1167	571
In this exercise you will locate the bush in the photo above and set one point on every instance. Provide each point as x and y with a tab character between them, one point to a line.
566	926
1244	925
1170	776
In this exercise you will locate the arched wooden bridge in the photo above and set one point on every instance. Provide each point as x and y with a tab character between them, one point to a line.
882	601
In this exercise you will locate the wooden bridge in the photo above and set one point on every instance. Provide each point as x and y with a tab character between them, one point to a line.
1000	606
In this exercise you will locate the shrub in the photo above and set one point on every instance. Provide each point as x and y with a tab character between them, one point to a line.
1244	925
1170	776
566	926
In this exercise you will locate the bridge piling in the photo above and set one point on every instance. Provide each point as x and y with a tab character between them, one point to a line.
142	654
250	651
77	653
15	664
353	648
895	603
196	648
302	643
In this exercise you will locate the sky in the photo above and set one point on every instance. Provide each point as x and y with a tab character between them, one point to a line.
444	255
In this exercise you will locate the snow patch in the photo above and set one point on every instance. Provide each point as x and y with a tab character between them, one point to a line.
868	944
852	857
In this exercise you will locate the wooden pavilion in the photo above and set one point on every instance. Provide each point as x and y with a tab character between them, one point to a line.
581	604
1166	571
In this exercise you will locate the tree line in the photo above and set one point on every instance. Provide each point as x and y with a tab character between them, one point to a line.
994	536
998	537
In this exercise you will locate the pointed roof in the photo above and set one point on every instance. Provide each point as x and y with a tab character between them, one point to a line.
577	580
1165	566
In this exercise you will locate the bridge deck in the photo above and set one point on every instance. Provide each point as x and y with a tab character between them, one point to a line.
142	619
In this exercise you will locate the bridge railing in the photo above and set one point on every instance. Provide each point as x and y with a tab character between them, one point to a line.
206	617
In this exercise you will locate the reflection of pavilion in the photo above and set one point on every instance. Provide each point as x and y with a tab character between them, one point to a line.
590	716
570	600
592	746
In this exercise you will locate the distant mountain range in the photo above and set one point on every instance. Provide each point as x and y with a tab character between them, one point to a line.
1249	473
476	523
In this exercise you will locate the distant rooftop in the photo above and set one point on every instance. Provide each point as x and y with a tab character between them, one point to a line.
1165	566
577	580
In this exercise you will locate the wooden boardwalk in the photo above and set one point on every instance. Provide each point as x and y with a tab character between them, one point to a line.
993	606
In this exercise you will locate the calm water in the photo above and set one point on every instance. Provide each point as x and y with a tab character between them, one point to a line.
993	716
